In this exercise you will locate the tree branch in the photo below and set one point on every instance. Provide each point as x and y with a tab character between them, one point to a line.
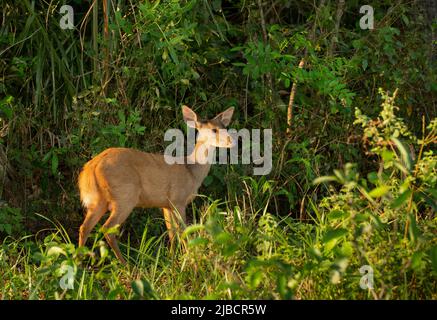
291	101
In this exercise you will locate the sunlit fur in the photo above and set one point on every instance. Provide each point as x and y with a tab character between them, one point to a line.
120	179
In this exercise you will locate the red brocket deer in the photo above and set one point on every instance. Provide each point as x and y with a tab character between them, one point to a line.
120	179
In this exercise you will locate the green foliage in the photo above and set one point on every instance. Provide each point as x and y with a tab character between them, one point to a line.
11	220
385	219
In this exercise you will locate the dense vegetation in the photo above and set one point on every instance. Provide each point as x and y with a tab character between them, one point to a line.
353	181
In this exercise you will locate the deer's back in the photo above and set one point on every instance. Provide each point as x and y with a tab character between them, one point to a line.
120	172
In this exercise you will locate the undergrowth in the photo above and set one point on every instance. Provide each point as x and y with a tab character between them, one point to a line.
383	222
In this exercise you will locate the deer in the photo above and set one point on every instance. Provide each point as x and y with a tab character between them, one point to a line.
120	179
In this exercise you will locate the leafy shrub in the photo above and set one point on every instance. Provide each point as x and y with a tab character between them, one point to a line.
11	220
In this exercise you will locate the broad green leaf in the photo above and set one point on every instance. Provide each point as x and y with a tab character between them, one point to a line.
339	175
283	290
334	234
55	162
113	294
103	251
347	249
417	260
413	229
46	158
287	83
112	230
7	228
56	251
404	153
373	177
255	279
192	229
401	199
223	237
138	287
387	155
5	108
143	289
200	241
337	214
379	191
266	186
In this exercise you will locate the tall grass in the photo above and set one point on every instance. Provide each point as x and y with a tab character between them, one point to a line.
230	256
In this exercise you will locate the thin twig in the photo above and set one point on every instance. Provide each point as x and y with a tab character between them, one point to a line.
316	19
265	40
291	101
263	21
339	14
106	49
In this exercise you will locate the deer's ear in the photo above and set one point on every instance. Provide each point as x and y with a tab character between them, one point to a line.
190	117
225	117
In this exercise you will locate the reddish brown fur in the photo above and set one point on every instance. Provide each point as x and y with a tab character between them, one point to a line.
120	179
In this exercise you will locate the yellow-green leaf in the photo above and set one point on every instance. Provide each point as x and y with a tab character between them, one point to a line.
379	191
56	251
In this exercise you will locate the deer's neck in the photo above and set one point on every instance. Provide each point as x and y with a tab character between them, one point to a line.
199	161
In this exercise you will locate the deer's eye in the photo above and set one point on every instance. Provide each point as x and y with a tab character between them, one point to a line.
214	130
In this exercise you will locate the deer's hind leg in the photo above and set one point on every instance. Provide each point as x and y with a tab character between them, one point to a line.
93	215
121	209
117	217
